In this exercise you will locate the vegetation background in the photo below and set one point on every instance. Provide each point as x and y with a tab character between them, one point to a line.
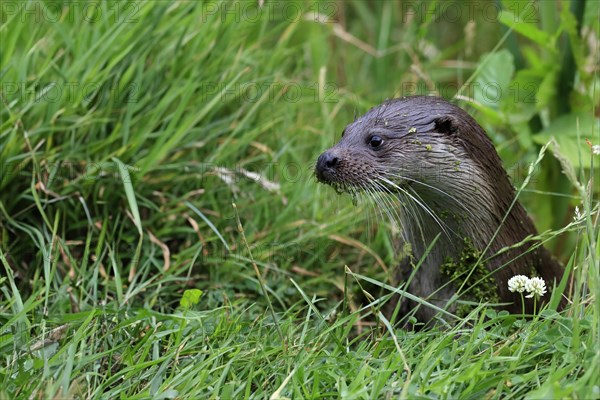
137	137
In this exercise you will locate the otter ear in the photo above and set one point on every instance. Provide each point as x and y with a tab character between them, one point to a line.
446	124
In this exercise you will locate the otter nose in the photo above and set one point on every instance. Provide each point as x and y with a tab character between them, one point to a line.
325	163
327	160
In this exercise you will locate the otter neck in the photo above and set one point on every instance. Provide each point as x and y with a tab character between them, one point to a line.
463	206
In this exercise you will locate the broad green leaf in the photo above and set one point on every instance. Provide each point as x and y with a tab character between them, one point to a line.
527	29
547	89
190	297
492	83
564	130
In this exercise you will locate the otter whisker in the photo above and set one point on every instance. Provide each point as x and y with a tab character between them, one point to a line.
419	202
387	197
373	202
378	203
459	203
408	205
388	206
366	195
438	220
380	207
405	178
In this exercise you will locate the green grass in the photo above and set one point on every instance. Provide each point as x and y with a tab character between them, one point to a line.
129	133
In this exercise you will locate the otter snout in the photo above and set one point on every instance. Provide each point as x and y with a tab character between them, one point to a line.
326	166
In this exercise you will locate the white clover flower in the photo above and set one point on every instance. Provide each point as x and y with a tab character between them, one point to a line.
596	149
535	287
518	283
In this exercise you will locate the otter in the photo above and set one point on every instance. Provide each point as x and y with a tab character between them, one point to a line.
428	164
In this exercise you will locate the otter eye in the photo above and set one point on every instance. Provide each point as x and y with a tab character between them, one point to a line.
375	141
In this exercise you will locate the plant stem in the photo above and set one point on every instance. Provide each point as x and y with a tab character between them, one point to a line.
567	73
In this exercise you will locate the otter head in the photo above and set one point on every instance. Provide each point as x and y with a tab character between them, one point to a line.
412	142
